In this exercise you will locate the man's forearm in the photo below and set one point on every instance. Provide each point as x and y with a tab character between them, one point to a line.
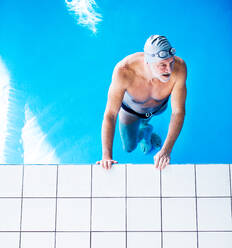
175	127
108	129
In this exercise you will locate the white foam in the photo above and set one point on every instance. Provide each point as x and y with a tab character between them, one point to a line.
36	147
85	13
4	108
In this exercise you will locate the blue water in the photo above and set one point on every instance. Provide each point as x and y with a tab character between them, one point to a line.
64	70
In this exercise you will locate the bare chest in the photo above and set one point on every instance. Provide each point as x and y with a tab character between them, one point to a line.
149	94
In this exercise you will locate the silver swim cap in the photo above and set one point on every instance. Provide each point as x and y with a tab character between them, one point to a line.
157	48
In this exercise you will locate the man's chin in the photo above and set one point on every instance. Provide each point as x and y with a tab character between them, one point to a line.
164	79
160	77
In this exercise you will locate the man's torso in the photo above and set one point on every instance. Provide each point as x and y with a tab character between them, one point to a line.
144	94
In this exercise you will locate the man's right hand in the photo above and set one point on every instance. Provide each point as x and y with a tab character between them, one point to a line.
106	163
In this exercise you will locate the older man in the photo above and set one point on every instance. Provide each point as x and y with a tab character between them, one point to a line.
141	86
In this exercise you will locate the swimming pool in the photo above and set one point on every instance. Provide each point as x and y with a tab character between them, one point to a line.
61	72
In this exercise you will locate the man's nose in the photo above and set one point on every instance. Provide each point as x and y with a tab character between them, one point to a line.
169	69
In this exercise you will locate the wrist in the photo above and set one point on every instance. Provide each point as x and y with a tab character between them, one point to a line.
106	157
107	154
166	150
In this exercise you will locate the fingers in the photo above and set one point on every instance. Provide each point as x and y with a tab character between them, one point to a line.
156	158
167	161
107	164
161	161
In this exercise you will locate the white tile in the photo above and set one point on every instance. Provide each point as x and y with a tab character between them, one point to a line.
74	180
108	182
178	180
215	239
37	240
73	214
214	214
143	180
213	180
10	210
231	179
143	214
73	240
9	240
108	214
110	239
179	214
11	180
180	240
143	239
38	215
39	180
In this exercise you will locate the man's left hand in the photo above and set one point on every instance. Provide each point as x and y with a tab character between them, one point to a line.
161	159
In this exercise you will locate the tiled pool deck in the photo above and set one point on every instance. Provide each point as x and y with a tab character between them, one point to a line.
129	206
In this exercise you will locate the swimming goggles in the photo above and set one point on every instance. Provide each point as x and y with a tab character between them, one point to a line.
164	53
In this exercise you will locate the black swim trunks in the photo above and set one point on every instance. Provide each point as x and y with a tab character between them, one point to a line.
147	115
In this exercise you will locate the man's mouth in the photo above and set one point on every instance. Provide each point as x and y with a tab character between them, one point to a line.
166	75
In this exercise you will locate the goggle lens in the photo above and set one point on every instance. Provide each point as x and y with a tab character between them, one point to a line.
163	54
172	51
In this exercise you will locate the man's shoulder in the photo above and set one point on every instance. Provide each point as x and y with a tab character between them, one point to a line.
132	58
127	66
180	72
181	65
123	73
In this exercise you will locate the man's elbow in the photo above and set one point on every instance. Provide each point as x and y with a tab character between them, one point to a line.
109	116
180	112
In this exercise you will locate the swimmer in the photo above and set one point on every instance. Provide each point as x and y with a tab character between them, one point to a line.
140	89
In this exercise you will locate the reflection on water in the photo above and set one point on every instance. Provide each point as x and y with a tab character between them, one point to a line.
12	119
36	148
21	138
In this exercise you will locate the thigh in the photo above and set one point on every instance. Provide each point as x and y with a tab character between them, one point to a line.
128	127
126	117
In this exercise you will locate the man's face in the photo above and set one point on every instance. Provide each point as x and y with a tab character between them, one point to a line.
163	69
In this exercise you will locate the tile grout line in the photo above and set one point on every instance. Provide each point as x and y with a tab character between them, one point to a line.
21	212
230	188
152	231
91	198
161	213
57	176
105	197
126	202
195	172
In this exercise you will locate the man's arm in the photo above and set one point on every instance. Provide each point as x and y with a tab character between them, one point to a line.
178	97
115	95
